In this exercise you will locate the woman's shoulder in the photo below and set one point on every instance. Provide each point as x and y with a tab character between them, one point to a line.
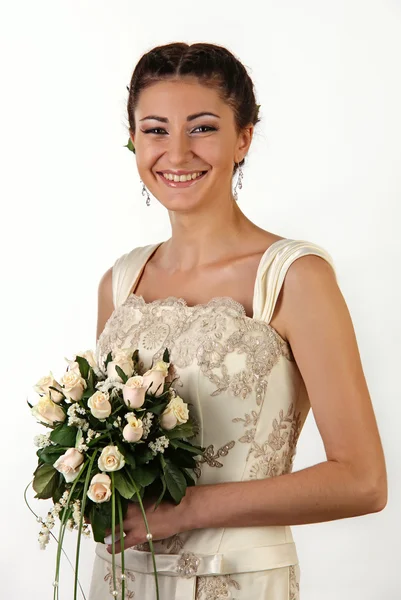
133	256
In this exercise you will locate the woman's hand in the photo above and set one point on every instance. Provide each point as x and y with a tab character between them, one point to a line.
167	520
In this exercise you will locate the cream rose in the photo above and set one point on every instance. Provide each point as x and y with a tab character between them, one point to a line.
110	459
154	378
176	412
43	387
99	405
99	489
133	431
134	392
47	411
68	464
74	385
121	358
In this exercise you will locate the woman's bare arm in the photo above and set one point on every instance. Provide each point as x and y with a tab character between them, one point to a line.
353	480
105	301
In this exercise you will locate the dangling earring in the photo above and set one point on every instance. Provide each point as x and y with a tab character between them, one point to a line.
145	193
239	182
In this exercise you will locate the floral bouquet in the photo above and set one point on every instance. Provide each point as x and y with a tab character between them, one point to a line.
115	436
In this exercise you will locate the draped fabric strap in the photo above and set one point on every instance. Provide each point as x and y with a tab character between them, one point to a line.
127	269
272	271
188	565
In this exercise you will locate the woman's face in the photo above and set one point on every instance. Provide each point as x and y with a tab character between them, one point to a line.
184	130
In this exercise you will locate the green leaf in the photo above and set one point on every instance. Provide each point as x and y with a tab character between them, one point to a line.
100	518
50	454
166	356
160	498
180	431
145	457
64	435
45	481
29	404
122	374
83	366
123	484
144	476
181	458
189	476
175	480
186	446
78	437
130	145
60	489
157	409
109	358
91	380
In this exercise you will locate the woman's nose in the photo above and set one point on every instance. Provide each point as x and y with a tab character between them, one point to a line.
179	149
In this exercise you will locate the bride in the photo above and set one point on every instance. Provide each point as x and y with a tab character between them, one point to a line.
258	333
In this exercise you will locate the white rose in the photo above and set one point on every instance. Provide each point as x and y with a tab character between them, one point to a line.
68	464
43	387
133	431
99	405
73	367
154	378
134	392
74	385
47	411
176	412
99	489
121	358
110	459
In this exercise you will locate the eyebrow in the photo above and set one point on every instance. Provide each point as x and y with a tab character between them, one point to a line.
189	118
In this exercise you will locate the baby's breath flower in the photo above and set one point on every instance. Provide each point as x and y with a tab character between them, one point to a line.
159	444
42	440
90	435
147	424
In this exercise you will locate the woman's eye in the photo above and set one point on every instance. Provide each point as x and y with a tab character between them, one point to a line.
205	128
155	130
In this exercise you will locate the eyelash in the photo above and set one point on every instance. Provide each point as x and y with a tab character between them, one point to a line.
154	129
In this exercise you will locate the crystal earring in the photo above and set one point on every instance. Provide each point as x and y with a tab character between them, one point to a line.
145	193
239	182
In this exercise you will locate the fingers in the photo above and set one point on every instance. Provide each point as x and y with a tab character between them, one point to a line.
116	529
108	539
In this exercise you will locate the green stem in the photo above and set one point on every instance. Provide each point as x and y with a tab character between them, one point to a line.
52	534
63	524
83	503
62	530
120	518
113	529
150	541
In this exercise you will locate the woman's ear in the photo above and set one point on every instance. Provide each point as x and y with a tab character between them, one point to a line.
244	141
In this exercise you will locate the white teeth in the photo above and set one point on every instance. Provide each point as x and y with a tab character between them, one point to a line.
177	178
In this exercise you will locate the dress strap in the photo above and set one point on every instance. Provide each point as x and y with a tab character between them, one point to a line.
127	270
273	268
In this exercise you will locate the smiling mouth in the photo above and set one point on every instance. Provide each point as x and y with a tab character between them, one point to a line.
182	179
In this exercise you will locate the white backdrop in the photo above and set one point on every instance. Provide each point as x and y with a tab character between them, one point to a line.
324	166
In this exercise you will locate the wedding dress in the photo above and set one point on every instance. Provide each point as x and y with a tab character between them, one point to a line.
250	402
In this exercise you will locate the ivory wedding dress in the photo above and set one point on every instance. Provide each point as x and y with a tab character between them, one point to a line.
250	402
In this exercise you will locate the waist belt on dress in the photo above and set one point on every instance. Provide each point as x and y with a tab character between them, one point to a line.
189	565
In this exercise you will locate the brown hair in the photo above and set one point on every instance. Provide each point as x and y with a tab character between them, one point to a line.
212	65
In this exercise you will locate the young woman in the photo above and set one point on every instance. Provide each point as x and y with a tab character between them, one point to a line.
258	332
